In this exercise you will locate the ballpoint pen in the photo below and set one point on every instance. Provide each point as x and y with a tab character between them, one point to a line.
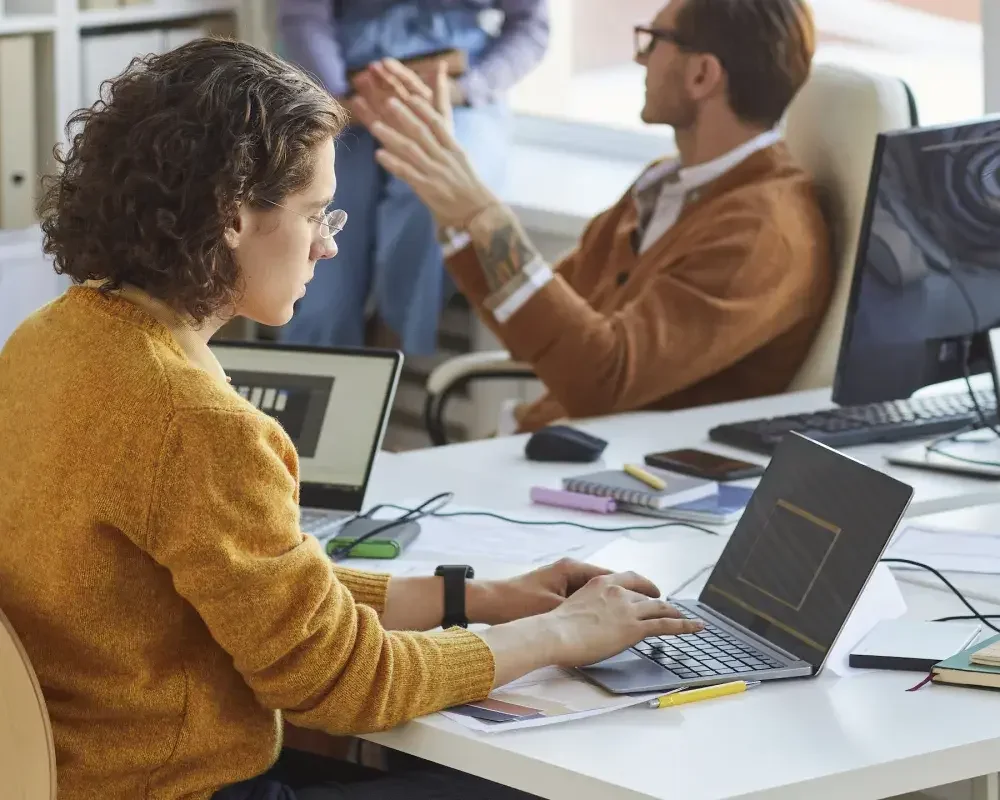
702	693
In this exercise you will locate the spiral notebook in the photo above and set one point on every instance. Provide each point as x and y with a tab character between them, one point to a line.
628	491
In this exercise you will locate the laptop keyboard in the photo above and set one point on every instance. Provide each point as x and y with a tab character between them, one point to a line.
713	651
319	523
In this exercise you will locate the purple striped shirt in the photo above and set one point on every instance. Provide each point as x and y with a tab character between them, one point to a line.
309	36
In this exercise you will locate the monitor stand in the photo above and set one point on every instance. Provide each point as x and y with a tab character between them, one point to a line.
976	454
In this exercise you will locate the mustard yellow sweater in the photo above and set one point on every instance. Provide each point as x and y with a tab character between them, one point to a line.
151	560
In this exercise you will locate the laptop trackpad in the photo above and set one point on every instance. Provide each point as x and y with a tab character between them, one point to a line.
628	672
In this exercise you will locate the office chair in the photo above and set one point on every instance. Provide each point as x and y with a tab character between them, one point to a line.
27	750
830	129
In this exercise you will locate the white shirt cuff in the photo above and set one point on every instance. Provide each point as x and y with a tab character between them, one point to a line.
535	276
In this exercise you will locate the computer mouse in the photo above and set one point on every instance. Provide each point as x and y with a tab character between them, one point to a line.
563	443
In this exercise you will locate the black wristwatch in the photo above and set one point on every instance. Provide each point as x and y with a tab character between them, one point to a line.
455	576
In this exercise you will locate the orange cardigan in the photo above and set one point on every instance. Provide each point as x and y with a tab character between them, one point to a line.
152	563
723	307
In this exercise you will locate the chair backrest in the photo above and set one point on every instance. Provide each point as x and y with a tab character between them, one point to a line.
830	129
27	751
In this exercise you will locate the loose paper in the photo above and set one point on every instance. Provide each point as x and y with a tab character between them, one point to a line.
543	697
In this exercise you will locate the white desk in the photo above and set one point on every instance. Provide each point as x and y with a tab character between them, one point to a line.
857	737
494	473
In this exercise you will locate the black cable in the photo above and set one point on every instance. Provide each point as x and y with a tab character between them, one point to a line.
949	584
967	351
542	523
957	617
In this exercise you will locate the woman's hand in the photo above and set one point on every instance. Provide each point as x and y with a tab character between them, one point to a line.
418	142
606	616
536	592
610	614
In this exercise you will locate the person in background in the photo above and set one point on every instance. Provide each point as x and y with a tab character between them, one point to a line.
151	559
390	257
705	282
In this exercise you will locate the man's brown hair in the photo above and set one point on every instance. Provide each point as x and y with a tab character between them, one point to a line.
159	168
765	46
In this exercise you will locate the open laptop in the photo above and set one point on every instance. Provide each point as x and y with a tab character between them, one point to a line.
786	582
334	403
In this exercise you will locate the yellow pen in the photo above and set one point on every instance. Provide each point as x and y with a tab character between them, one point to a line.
703	693
641	475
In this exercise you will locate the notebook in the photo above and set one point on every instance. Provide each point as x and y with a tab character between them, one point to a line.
632	493
962	670
988	655
718	509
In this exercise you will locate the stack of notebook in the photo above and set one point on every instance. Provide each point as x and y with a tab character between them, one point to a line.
978	665
632	494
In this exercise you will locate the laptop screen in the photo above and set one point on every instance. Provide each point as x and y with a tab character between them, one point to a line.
333	403
805	547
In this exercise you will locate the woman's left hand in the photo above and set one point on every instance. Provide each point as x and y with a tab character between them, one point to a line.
418	142
537	592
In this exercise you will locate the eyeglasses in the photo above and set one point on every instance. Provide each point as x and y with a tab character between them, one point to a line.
330	224
646	39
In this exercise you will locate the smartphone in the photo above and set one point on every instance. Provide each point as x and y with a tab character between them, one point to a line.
702	464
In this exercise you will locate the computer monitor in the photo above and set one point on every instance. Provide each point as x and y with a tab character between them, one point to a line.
926	286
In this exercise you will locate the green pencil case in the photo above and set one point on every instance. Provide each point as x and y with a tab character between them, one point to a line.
387	544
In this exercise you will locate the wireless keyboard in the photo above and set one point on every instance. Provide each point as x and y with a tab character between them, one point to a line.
848	426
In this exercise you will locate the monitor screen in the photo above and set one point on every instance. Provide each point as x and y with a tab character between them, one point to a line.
804	548
929	248
333	404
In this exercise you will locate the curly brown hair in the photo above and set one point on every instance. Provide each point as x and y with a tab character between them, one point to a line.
160	166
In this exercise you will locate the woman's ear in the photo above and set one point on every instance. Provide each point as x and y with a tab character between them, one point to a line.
234	232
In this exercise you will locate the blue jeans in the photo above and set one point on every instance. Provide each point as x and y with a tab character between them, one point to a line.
389	255
389	250
302	776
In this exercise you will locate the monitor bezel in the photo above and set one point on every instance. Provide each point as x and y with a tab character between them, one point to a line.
882	140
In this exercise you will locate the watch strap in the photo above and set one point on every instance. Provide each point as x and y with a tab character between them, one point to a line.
454	577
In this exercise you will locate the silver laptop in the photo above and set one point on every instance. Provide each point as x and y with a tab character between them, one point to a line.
334	403
786	582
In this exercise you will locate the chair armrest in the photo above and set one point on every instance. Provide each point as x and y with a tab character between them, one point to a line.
455	374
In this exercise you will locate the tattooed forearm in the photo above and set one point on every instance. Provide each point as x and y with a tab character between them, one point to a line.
501	244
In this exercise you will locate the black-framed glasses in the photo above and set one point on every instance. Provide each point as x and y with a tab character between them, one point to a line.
646	39
330	223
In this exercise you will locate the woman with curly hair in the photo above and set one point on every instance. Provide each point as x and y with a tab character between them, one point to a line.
150	554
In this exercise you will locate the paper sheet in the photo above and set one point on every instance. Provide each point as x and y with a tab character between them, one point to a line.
544	697
947	550
472	539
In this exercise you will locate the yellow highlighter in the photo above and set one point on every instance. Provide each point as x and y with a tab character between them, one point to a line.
647	478
703	693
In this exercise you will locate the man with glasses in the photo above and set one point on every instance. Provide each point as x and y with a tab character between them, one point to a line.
706	282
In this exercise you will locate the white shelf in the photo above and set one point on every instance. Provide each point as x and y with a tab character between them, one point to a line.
155	12
17	24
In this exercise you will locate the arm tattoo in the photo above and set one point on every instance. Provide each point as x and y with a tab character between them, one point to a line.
501	244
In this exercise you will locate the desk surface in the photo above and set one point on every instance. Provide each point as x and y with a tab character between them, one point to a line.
494	472
861	736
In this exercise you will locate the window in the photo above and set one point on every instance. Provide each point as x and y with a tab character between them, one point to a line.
936	46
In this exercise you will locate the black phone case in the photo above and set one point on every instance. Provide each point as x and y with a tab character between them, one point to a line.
752	471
